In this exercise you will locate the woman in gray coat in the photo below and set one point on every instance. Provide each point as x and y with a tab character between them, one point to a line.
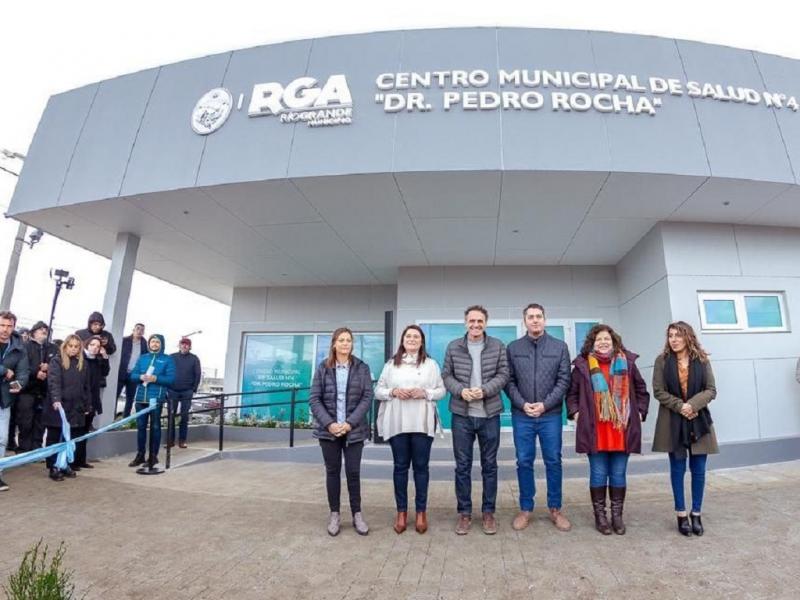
341	394
683	384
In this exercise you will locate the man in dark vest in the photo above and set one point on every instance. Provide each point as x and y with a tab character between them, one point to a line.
188	375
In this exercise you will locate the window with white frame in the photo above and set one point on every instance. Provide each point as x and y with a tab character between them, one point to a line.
742	311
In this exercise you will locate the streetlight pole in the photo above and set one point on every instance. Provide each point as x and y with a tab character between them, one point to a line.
16	252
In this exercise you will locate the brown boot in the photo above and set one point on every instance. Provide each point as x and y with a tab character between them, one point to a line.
489	523
401	522
422	522
559	520
463	524
617	502
598	495
521	521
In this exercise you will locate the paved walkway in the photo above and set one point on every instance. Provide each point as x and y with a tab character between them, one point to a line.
240	529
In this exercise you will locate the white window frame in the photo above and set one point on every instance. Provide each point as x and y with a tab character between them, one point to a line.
738	299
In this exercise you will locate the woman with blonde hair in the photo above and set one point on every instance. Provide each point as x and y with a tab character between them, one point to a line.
341	394
408	388
68	389
683	384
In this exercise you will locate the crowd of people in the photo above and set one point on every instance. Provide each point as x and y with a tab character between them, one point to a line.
606	397
42	378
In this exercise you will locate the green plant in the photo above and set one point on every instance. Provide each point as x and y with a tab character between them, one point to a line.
36	579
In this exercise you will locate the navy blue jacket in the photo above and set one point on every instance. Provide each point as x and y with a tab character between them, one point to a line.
188	373
15	358
322	401
538	372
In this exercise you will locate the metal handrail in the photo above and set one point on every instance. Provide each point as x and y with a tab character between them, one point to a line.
222	407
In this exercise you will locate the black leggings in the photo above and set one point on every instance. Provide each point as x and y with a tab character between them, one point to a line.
332	451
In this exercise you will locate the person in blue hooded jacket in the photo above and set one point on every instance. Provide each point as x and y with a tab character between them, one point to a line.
154	373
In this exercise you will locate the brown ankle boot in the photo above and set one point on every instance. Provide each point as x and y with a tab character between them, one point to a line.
401	522
422	522
598	495
617	502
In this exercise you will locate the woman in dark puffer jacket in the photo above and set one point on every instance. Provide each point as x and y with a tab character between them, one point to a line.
340	398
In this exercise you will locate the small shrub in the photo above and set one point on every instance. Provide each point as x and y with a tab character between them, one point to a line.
36	579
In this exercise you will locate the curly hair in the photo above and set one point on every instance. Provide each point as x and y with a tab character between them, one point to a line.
693	346
588	343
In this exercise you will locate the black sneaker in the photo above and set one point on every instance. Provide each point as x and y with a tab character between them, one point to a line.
3	486
137	460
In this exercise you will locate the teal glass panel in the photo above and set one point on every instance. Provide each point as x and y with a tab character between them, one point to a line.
276	362
366	346
720	312
763	311
581	330
557	331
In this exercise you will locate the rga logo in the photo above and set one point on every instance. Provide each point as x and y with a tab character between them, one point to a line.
211	111
304	101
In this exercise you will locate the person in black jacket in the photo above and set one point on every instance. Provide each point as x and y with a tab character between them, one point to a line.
96	326
133	346
31	400
340	397
68	389
13	376
188	375
97	367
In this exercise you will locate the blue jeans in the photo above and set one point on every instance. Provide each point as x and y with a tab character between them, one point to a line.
607	468
408	449
142	429
465	430
5	423
548	430
677	470
182	400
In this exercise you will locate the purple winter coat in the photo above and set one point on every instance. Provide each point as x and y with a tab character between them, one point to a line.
580	398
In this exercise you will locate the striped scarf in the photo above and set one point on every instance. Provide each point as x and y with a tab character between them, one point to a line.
611	405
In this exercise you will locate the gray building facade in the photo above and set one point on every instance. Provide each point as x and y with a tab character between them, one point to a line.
312	184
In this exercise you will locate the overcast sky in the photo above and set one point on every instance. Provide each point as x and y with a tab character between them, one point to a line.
47	47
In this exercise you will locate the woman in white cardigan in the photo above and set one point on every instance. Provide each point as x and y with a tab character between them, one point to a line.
408	389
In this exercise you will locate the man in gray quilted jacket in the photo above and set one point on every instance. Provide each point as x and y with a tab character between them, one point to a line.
474	372
538	380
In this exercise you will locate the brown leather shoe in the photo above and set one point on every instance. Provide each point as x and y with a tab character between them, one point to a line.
422	522
521	521
401	522
489	523
559	520
463	525
182	445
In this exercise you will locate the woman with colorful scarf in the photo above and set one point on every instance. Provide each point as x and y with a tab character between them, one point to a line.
608	401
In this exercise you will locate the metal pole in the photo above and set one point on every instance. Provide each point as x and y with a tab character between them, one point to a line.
13	266
291	418
221	419
170	429
53	311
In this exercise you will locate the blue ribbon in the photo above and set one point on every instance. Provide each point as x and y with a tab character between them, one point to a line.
65	449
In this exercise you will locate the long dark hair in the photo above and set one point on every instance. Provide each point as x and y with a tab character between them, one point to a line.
421	356
693	346
588	343
330	362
